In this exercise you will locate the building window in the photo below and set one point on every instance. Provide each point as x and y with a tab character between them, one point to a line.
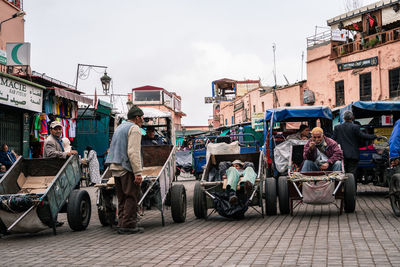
226	121
233	120
254	108
147	95
339	91
394	82
365	86
287	104
262	106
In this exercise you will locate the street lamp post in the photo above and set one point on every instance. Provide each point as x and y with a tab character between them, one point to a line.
105	80
16	15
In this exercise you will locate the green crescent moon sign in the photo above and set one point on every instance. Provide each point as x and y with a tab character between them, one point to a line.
14	54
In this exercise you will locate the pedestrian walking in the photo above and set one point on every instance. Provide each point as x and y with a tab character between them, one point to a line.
124	157
350	136
394	145
94	166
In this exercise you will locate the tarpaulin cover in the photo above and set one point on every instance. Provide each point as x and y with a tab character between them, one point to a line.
364	109
222	148
225	132
296	113
282	154
184	159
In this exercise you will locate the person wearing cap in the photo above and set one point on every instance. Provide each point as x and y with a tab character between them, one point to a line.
53	145
124	157
321	153
233	175
151	138
350	136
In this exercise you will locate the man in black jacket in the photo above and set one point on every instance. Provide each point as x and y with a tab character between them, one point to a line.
349	136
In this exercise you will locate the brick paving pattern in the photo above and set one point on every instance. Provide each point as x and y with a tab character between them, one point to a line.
315	236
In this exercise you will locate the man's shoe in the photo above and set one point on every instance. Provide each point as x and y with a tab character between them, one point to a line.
248	188
59	224
129	231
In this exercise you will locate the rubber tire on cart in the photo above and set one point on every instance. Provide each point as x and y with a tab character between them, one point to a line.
104	218
270	196
283	194
394	189
199	202
79	210
349	193
178	203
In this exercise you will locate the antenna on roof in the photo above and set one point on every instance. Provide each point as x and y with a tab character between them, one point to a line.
302	60
287	81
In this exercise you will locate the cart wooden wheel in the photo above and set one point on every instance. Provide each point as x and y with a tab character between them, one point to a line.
283	193
394	189
270	196
78	210
199	202
178	203
349	193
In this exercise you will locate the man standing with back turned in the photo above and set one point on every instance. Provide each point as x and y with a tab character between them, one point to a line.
348	135
125	159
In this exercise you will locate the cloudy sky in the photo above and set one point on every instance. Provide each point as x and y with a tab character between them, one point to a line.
181	46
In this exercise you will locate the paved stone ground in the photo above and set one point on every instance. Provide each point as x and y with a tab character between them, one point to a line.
314	236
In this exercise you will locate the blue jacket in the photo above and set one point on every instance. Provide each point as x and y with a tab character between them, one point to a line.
7	158
394	141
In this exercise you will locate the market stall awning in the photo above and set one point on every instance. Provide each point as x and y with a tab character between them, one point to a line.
72	96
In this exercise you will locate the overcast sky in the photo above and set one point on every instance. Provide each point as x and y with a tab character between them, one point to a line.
181	46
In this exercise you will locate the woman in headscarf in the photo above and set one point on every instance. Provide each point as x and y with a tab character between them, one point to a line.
94	167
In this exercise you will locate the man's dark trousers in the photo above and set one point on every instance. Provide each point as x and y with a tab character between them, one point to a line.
350	166
128	194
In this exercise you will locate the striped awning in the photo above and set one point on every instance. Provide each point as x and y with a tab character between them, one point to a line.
72	96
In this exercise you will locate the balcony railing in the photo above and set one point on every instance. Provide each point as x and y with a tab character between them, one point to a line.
17	3
366	43
319	38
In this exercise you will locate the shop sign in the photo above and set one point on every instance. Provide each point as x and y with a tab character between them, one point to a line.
18	54
3	57
257	121
20	95
373	61
238	106
217	99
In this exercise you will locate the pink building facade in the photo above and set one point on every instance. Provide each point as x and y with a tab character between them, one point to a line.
12	26
358	59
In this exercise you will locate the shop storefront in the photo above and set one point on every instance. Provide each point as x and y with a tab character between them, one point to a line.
19	101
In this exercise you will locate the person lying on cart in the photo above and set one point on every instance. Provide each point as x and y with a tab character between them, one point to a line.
321	153
233	175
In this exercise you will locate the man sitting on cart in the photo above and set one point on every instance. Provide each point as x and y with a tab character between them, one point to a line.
233	174
151	138
321	153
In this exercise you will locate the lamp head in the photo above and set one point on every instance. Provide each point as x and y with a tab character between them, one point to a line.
105	83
